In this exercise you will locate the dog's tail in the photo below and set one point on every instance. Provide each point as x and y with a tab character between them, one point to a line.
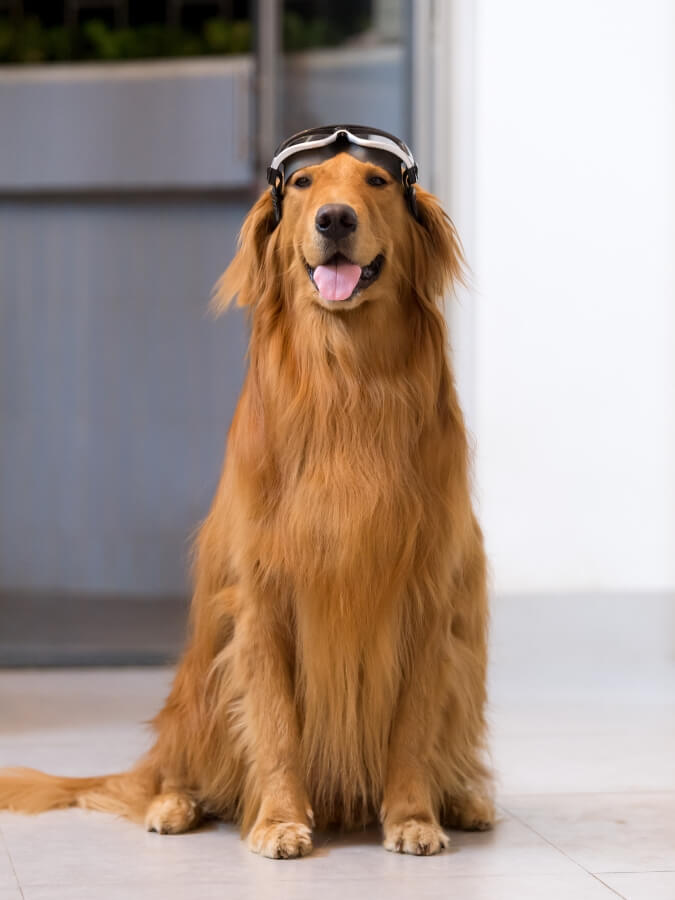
29	791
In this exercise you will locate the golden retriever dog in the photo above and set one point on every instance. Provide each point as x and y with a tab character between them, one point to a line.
336	664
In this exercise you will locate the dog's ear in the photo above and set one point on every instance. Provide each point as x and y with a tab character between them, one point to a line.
438	256
249	273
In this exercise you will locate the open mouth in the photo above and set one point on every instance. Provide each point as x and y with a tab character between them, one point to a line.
339	279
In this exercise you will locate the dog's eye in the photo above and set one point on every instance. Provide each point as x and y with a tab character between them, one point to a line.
376	181
302	181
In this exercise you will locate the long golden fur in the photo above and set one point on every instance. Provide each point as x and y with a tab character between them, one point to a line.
335	670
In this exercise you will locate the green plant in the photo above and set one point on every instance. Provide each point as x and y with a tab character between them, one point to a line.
29	41
302	34
221	36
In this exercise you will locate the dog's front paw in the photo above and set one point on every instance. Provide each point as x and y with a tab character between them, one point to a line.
280	840
415	836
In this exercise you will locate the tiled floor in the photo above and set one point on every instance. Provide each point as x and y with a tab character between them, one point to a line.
586	792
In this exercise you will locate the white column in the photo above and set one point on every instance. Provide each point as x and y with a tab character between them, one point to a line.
443	142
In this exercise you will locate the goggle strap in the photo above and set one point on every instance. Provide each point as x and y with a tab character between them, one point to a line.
276	180
273	176
411	200
409	180
410	176
277	198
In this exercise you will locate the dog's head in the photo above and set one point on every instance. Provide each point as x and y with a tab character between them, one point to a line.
346	238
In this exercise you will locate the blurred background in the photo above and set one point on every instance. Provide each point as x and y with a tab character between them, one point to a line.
133	138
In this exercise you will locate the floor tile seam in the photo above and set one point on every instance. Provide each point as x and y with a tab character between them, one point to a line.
609	887
3	842
563	853
569	734
289	880
637	872
379	879
635	791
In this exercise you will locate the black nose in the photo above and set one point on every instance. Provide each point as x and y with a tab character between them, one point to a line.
336	221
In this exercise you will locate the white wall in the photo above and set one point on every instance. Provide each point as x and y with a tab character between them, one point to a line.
574	327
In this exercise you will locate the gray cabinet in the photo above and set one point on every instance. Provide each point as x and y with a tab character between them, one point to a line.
174	125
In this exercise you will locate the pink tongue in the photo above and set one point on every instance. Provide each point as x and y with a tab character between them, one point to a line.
337	281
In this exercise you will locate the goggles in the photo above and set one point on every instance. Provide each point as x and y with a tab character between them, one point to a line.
315	145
